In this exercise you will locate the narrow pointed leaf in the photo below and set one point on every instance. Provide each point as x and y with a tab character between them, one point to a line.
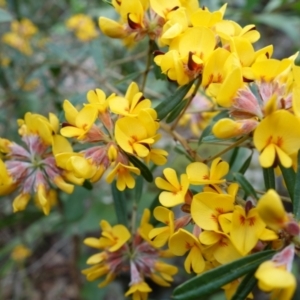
233	156
269	178
246	164
221	115
176	112
214	279
166	106
296	204
146	173
245	287
244	183
206	132
120	204
139	183
129	77
289	176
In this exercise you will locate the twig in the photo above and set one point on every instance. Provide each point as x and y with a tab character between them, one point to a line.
237	143
148	65
182	141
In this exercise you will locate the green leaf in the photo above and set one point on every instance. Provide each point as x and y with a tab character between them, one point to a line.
245	287
166	106
206	132
108	2
269	178
139	183
214	279
221	115
5	16
244	183
233	156
128	77
246	164
176	112
146	173
120	202
296	203
284	23
289	177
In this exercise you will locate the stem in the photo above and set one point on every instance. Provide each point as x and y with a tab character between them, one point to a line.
182	141
148	65
238	142
188	103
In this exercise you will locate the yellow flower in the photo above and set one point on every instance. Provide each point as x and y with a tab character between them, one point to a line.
131	104
206	208
275	275
199	173
161	235
187	54
134	23
113	237
79	123
271	210
20	253
19	36
18	42
122	173
247	227
139	291
175	191
157	156
32	169
24	28
203	17
276	138
120	255
135	135
219	247
215	68
181	242
98	100
83	27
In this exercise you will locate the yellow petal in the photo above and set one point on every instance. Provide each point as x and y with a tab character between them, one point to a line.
92	242
198	173
271	210
112	28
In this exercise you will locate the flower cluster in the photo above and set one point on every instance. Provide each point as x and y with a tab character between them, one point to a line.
115	130
20	36
122	252
31	170
225	228
229	92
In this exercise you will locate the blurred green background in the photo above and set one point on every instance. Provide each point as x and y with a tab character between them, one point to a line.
63	67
